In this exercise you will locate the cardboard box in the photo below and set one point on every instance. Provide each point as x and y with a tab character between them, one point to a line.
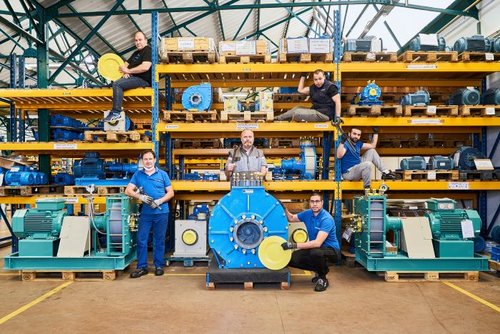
244	48
320	45
294	45
180	44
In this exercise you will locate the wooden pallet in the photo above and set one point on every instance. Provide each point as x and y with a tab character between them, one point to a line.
494	265
99	190
246	116
412	111
198	143
370	56
428	56
375	110
479	56
480	110
305	58
285	142
190	116
225	59
430	276
428	175
185	57
114	136
41	275
30	190
483	175
278	97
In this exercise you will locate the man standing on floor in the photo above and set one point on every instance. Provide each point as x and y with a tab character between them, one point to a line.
155	190
136	73
246	157
325	98
322	246
358	157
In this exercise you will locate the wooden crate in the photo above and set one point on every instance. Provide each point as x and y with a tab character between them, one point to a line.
442	110
65	275
430	276
370	56
190	116
479	56
375	110
428	56
246	116
30	190
186	44
189	57
225	59
305	58
244	48
428	175
114	136
99	190
480	110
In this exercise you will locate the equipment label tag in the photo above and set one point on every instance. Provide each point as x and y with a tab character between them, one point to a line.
458	185
65	146
245	126
489	56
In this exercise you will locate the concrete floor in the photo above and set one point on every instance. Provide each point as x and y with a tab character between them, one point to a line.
356	302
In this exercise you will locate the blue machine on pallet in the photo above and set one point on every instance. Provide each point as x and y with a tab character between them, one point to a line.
241	220
413	163
195	176
434	242
305	167
477	43
64	179
492	96
441	162
200	212
65	121
464	157
370	95
64	128
49	239
197	97
420	98
465	96
25	176
94	170
365	44
427	42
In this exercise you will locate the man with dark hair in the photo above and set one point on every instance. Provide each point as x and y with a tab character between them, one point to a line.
136	73
322	246
155	190
358	157
246	157
325	99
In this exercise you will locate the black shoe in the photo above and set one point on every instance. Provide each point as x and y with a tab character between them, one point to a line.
321	284
315	278
389	176
159	271
139	272
112	117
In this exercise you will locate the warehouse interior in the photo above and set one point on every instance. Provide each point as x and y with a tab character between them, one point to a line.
418	240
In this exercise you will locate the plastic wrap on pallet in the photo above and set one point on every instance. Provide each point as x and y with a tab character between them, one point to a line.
244	48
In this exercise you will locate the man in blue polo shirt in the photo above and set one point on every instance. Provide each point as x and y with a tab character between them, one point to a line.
322	245
155	190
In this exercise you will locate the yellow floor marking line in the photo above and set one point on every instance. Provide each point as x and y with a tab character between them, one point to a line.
476	298
34	302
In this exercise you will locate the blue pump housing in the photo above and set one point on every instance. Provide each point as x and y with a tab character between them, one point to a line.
370	95
25	176
239	223
305	166
197	97
64	179
94	170
419	98
465	96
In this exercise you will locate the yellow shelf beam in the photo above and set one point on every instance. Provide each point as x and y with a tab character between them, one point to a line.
427	122
289	186
276	105
67	147
425	185
438	67
31	200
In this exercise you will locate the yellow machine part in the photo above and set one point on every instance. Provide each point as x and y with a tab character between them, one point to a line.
299	235
189	237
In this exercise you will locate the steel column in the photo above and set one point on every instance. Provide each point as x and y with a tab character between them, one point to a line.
156	97
9	227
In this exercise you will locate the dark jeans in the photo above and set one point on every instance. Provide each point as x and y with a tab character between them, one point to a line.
124	84
315	259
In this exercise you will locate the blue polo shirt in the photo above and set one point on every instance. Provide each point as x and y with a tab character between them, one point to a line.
153	185
322	222
351	157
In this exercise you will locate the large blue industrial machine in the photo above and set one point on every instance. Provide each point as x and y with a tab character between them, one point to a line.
64	179
365	44
370	95
305	167
241	220
420	98
198	98
434	242
413	163
427	42
477	43
64	128
464	157
465	96
25	176
492	96
49	239
94	170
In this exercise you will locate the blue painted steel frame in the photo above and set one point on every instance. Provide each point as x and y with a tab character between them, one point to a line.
12	237
156	99
337	55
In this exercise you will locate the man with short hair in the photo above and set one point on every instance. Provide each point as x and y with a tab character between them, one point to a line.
358	157
322	246
155	190
325	99
246	157
136	73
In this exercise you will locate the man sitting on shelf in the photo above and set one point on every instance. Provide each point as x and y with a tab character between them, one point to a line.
136	73
246	157
325	98
357	157
322	246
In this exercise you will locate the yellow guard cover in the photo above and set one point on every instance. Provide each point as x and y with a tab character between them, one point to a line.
109	66
272	255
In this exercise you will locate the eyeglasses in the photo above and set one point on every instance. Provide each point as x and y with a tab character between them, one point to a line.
315	201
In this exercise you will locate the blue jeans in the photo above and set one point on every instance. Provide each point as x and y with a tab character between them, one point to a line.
124	84
159	224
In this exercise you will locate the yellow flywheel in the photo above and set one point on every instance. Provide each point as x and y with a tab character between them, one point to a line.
299	235
189	237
